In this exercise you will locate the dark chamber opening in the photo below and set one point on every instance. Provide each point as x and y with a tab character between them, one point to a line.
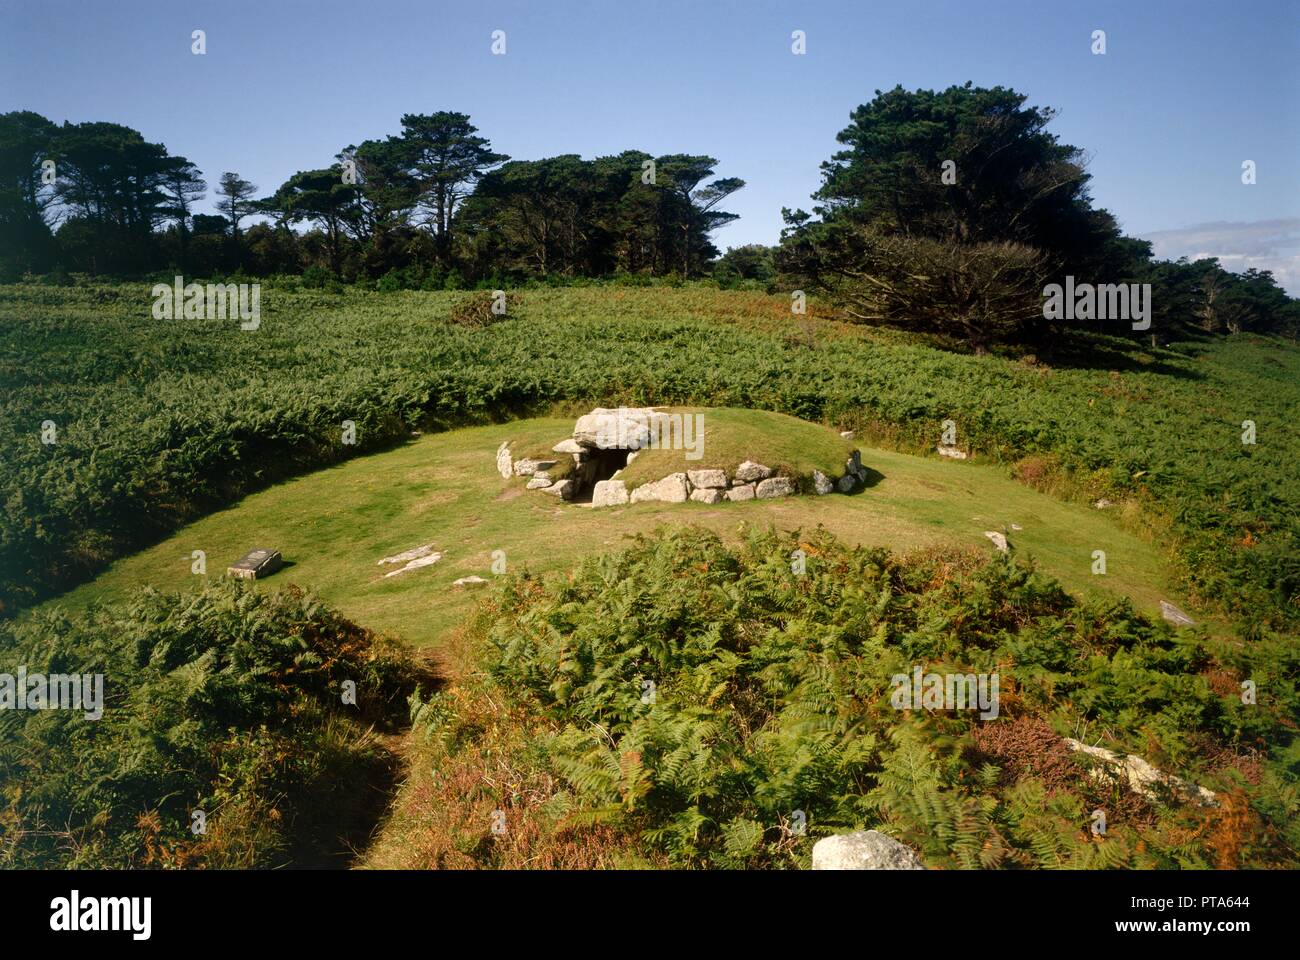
600	465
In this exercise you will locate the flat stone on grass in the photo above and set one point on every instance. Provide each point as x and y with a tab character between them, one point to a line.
424	560
999	540
257	563
415	553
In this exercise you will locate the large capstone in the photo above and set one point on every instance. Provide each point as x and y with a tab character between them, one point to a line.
626	428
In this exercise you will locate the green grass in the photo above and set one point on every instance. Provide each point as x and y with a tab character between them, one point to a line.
334	525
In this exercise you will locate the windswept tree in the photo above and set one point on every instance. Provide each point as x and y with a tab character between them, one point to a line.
383	202
236	201
973	170
183	187
323	198
26	142
110	185
692	206
965	164
445	157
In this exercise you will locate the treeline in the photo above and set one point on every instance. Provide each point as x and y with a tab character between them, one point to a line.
434	205
950	212
946	212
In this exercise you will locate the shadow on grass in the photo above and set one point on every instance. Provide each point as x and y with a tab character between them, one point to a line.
1093	351
355	794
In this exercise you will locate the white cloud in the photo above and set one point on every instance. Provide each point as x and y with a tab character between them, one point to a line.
1263	244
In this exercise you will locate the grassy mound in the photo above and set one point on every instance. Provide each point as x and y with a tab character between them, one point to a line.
335	524
226	701
790	446
771	708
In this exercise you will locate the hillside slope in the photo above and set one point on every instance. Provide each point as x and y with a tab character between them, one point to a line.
158	425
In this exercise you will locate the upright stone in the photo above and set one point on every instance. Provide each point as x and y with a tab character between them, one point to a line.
561	488
671	489
609	493
1174	615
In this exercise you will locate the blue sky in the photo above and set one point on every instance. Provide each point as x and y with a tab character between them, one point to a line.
1186	91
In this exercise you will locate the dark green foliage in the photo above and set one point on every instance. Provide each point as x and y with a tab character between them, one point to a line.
751	262
570	217
224	700
1011	179
772	695
929	186
428	201
977	292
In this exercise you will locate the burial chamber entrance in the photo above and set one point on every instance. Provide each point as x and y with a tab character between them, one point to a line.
598	464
